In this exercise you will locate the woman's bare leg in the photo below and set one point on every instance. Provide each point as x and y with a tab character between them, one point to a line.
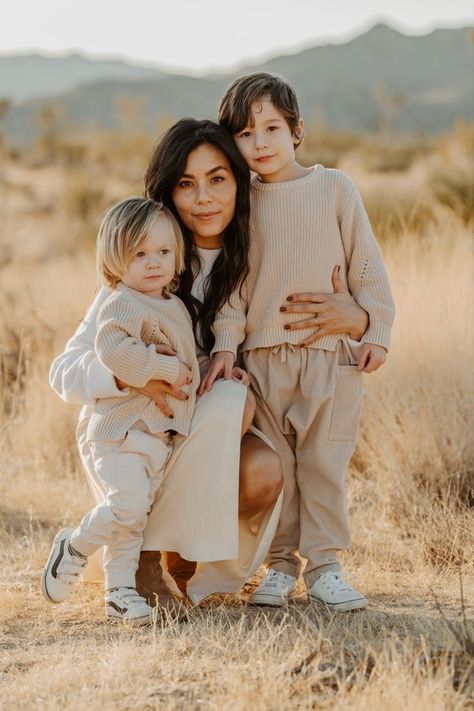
261	478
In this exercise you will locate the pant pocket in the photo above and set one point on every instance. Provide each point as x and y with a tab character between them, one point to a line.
347	402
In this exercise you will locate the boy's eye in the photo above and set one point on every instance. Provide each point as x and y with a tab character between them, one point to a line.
163	252
140	254
273	128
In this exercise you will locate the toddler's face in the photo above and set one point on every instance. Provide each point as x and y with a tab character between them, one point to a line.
152	267
268	146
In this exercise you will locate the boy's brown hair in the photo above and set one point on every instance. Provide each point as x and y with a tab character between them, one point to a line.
235	107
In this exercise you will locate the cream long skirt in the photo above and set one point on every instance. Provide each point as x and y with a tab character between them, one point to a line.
195	512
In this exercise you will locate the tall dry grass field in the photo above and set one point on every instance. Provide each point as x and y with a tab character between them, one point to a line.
410	481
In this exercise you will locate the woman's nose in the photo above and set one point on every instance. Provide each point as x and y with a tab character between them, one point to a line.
202	194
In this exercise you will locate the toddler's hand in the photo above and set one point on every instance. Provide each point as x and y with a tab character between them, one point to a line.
371	357
184	376
241	375
222	363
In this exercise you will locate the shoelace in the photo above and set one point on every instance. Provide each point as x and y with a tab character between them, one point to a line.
332	580
274	576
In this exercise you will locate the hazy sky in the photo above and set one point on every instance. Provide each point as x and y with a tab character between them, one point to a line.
203	34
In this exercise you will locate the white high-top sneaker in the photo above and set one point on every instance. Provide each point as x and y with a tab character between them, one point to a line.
334	592
127	605
63	568
274	590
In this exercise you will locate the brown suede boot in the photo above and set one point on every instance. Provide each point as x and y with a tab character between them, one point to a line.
150	584
181	570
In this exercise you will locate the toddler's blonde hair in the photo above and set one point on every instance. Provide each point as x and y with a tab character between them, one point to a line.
123	228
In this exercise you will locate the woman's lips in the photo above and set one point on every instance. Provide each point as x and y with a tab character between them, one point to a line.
205	215
263	159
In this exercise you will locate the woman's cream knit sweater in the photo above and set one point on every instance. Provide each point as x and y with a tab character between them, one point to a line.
300	230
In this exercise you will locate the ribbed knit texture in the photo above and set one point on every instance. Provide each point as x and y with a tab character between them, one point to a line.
129	325
300	230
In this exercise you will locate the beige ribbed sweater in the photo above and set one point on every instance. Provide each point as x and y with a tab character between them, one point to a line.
129	325
300	230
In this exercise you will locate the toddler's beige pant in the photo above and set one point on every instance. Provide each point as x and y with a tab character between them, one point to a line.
308	404
127	473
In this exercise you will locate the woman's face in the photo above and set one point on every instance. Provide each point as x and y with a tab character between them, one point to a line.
205	195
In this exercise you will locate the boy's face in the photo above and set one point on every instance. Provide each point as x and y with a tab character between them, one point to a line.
269	146
152	266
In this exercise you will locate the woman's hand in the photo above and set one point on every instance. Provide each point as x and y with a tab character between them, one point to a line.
157	389
329	314
241	375
222	364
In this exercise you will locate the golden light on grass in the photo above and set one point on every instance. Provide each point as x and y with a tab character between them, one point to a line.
411	487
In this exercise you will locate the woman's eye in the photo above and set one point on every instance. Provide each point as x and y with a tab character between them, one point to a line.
244	134
217	179
184	183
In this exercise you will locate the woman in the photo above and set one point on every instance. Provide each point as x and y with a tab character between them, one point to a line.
225	520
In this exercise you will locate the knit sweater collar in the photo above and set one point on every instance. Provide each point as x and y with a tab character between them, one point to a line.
144	298
257	184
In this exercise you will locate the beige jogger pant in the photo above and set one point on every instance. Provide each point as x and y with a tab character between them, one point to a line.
308	404
128	474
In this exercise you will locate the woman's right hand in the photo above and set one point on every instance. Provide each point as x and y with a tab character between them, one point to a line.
157	389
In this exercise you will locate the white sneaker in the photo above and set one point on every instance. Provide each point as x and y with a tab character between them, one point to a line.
63	568
126	604
274	590
338	595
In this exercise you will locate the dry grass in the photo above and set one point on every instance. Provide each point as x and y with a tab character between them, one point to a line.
411	485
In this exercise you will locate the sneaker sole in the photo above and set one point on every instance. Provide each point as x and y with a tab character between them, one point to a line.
268	600
359	604
113	616
55	549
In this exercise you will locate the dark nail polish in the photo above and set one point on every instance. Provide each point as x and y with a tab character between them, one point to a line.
289	298
286	327
171	417
282	308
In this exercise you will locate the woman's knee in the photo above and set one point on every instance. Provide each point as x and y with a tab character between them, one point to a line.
261	480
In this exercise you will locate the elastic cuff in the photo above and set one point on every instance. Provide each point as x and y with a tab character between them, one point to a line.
81	546
167	368
225	342
379	334
117	579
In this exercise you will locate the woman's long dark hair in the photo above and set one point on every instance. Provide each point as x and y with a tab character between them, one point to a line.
166	168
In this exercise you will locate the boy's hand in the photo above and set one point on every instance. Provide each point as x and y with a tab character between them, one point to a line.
371	357
222	364
241	375
184	376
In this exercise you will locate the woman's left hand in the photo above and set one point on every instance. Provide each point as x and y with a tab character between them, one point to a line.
241	375
329	313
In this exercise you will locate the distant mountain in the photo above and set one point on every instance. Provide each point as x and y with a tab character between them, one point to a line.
382	77
29	76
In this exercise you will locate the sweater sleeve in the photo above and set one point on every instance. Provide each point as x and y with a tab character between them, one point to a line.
229	324
77	375
119	346
367	276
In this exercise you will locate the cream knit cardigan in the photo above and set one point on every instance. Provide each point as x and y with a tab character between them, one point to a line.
129	325
300	230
